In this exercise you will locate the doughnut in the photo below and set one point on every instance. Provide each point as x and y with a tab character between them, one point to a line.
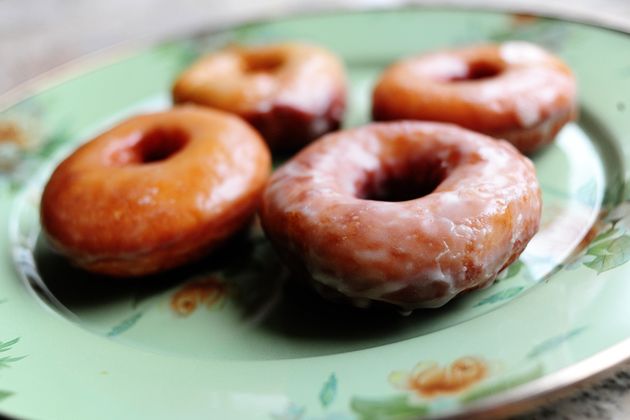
292	93
156	191
408	213
514	91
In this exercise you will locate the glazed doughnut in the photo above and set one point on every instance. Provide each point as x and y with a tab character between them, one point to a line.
325	212
155	192
515	91
291	93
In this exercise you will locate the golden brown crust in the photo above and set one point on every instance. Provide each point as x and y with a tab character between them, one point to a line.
291	93
515	91
155	191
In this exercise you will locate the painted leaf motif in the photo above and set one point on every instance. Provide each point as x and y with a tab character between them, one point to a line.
553	342
514	269
6	345
397	407
7	360
609	253
329	391
56	139
124	325
5	394
605	235
500	296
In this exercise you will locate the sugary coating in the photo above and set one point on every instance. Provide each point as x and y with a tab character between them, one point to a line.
322	213
155	191
291	93
514	91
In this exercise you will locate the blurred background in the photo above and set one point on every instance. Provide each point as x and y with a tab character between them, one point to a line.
37	35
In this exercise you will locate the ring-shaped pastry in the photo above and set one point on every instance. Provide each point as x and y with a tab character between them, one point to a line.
514	91
408	213
156	191
292	93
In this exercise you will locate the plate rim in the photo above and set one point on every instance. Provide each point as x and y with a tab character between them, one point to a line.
120	50
521	398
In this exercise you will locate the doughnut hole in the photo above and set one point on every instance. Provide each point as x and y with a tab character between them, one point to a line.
479	70
262	62
156	145
403	181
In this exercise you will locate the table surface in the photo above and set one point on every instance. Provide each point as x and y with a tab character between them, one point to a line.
38	35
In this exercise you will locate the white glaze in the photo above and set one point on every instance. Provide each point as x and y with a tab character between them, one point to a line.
416	253
530	88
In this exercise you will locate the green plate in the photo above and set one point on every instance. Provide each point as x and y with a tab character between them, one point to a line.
230	338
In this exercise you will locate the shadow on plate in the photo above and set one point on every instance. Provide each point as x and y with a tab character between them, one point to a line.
259	287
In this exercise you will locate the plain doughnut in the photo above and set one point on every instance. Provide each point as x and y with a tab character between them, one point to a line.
155	191
514	91
291	93
324	212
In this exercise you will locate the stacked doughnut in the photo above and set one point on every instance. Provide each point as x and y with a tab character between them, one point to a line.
406	212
